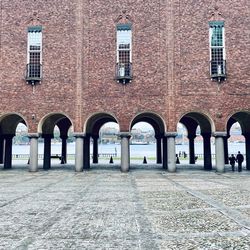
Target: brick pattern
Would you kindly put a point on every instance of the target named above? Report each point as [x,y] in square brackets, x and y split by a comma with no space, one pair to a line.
[170,60]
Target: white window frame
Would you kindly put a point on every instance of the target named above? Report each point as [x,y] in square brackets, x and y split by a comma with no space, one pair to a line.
[217,52]
[214,47]
[117,45]
[32,70]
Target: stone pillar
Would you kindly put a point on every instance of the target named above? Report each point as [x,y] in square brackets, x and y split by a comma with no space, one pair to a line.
[247,142]
[79,151]
[64,149]
[86,152]
[191,138]
[171,151]
[125,154]
[219,150]
[33,163]
[95,148]
[47,152]
[158,149]
[226,149]
[165,152]
[8,151]
[1,149]
[207,151]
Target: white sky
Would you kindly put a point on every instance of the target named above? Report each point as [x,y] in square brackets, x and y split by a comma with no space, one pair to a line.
[144,126]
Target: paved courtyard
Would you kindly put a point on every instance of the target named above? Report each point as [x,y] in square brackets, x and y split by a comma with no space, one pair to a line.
[103,208]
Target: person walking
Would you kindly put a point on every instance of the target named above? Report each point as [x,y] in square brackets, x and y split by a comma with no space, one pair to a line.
[239,159]
[232,161]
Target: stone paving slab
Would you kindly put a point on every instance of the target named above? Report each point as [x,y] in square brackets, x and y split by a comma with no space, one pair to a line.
[105,209]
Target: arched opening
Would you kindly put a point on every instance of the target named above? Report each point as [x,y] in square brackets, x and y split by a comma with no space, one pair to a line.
[8,130]
[142,144]
[108,144]
[146,143]
[52,125]
[101,141]
[181,142]
[238,137]
[199,129]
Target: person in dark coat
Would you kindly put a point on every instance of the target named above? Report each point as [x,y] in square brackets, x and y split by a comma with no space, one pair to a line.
[177,159]
[239,159]
[232,161]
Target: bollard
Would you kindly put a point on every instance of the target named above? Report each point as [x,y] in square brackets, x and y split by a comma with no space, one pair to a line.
[144,160]
[111,160]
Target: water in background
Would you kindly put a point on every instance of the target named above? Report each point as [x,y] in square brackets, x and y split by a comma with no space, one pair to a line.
[135,150]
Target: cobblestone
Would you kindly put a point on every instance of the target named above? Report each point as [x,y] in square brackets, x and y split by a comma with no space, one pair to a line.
[102,208]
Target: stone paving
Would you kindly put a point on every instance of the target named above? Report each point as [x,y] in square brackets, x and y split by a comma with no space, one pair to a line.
[147,208]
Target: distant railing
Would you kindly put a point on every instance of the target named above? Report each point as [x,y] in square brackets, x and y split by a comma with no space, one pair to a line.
[201,156]
[104,155]
[55,156]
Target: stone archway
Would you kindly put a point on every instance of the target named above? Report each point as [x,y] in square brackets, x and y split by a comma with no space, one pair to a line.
[8,125]
[92,128]
[159,128]
[191,121]
[46,131]
[243,118]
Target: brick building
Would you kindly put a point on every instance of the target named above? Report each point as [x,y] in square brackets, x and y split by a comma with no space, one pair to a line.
[84,63]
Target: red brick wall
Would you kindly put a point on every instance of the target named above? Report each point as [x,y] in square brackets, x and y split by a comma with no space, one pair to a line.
[170,60]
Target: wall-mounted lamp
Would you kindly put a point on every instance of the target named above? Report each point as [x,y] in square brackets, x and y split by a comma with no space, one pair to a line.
[33,116]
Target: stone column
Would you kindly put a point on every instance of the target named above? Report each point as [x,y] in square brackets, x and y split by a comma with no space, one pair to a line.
[171,151]
[191,138]
[8,151]
[86,152]
[47,152]
[79,151]
[158,149]
[226,149]
[1,149]
[219,150]
[33,163]
[207,151]
[165,152]
[95,148]
[247,142]
[125,154]
[64,149]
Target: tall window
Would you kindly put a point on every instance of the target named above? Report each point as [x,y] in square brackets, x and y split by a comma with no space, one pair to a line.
[34,57]
[124,51]
[217,49]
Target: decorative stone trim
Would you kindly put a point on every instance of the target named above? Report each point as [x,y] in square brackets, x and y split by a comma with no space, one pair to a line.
[124,134]
[171,134]
[79,135]
[33,135]
[220,134]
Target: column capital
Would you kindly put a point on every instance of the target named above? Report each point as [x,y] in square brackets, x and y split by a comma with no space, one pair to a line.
[170,134]
[8,136]
[33,135]
[95,137]
[246,135]
[47,136]
[206,135]
[191,136]
[220,134]
[124,134]
[159,136]
[79,135]
[64,137]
